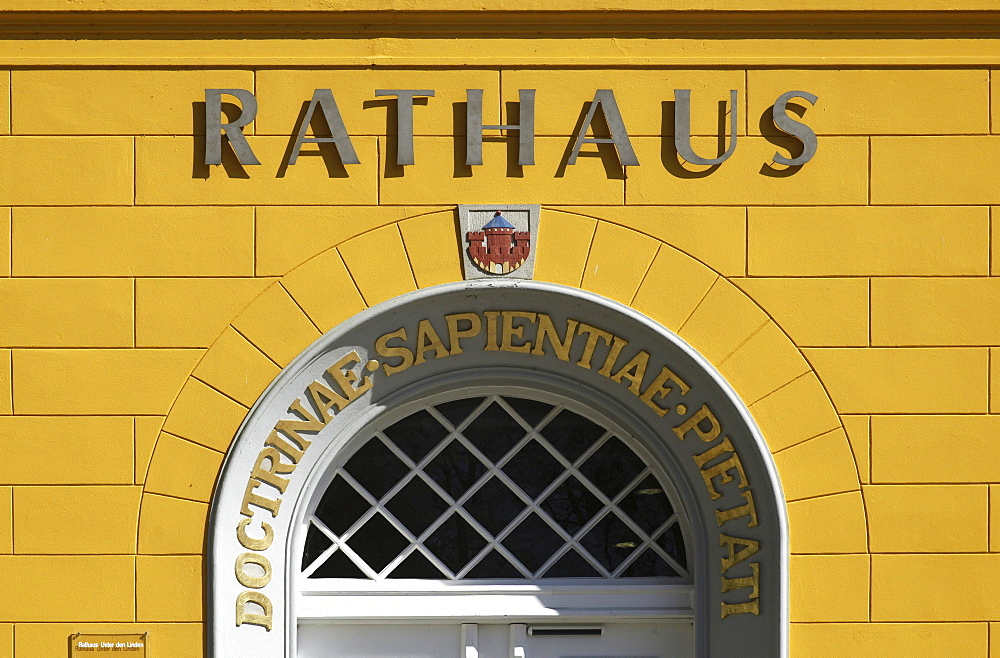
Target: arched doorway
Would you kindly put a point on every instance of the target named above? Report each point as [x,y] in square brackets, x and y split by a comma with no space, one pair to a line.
[496,347]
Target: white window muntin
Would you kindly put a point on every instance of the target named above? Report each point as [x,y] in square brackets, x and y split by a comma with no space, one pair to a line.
[535,598]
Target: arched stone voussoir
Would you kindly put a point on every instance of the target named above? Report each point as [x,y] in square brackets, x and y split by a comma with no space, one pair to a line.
[203,415]
[433,247]
[820,466]
[562,247]
[235,367]
[673,287]
[276,325]
[765,362]
[828,525]
[323,288]
[723,321]
[182,469]
[618,262]
[171,525]
[795,412]
[378,264]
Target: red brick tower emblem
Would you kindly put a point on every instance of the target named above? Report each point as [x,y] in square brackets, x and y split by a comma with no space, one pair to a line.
[505,247]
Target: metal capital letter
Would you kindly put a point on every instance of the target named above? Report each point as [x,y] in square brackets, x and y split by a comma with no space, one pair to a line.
[244,617]
[324,98]
[682,128]
[404,120]
[234,130]
[474,127]
[796,129]
[605,99]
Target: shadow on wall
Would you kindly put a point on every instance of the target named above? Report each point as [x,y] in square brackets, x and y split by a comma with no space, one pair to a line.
[327,150]
[230,163]
[672,161]
[781,140]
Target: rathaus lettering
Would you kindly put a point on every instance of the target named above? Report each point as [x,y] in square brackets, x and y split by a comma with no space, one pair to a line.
[604,102]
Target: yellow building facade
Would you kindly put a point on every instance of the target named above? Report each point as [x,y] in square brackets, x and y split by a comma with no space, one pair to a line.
[148,298]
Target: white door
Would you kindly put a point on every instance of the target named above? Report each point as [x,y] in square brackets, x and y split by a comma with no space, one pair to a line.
[660,639]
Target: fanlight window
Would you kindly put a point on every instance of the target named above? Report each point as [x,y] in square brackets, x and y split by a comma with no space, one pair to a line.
[495,487]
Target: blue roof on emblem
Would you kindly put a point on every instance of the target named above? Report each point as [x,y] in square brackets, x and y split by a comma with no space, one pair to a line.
[499,221]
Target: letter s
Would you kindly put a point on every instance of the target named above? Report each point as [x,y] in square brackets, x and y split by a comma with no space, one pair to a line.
[402,352]
[796,129]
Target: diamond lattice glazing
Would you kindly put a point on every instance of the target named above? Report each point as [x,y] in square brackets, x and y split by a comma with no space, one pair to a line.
[499,487]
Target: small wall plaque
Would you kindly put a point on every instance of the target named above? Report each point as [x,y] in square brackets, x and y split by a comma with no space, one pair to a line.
[133,645]
[498,241]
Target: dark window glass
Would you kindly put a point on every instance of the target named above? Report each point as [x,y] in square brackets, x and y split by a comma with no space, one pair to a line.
[455,469]
[532,411]
[647,505]
[340,506]
[494,505]
[612,467]
[458,410]
[416,565]
[338,565]
[601,543]
[571,505]
[572,434]
[316,543]
[494,432]
[376,468]
[377,542]
[416,506]
[571,565]
[494,565]
[417,434]
[610,541]
[648,565]
[455,542]
[533,469]
[672,541]
[533,542]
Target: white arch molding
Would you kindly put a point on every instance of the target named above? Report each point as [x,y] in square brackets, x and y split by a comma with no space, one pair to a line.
[529,334]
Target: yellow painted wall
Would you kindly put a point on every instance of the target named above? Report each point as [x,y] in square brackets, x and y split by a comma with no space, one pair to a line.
[146,300]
